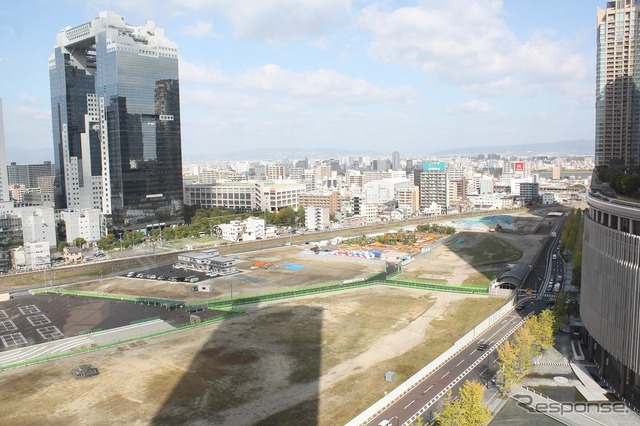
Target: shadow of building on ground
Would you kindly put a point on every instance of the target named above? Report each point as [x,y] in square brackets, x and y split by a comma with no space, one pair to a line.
[262,368]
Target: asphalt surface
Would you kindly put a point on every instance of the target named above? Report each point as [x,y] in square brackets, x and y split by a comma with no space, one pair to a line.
[427,391]
[34,317]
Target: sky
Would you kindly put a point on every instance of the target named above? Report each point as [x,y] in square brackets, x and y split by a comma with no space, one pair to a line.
[407,76]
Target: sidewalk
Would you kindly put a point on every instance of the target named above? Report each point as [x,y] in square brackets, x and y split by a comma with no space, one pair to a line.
[554,409]
[556,375]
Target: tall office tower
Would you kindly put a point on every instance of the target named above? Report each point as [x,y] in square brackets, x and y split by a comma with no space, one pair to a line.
[395,160]
[4,181]
[116,122]
[617,81]
[610,276]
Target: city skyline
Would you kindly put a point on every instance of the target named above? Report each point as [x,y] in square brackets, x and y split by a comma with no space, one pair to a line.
[377,76]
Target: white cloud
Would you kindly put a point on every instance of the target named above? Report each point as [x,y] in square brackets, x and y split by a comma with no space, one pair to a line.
[321,86]
[221,101]
[276,20]
[200,29]
[468,43]
[201,73]
[473,106]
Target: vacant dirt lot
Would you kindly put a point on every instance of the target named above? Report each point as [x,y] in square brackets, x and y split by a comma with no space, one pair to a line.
[250,281]
[298,356]
[314,360]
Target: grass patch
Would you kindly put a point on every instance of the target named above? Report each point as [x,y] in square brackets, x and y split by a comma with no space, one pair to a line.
[480,279]
[484,249]
[419,276]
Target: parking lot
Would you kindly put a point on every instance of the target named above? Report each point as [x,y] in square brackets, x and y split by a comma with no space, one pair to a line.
[166,273]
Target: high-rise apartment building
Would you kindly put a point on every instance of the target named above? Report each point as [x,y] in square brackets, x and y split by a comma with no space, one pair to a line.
[116,122]
[435,188]
[610,276]
[617,85]
[4,182]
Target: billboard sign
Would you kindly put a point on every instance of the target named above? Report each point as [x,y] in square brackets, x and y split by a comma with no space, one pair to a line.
[518,166]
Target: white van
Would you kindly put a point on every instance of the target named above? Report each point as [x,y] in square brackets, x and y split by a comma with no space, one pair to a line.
[385,423]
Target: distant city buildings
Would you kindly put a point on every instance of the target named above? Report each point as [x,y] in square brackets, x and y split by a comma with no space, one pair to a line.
[116,122]
[395,160]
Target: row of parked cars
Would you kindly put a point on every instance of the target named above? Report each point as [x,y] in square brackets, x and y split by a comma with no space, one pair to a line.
[190,279]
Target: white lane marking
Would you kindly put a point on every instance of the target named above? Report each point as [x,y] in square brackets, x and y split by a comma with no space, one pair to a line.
[459,363]
[427,390]
[444,375]
[407,406]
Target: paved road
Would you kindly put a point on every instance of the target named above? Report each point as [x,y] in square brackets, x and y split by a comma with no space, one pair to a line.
[469,363]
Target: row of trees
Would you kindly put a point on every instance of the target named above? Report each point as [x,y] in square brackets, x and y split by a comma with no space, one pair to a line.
[516,356]
[621,181]
[571,240]
[201,221]
[428,228]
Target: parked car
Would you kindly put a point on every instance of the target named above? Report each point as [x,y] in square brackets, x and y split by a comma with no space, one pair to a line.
[162,278]
[131,274]
[152,277]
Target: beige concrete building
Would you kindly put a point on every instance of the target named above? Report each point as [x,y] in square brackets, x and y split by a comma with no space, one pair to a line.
[319,199]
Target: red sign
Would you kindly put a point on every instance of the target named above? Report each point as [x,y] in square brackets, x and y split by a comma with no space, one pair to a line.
[519,166]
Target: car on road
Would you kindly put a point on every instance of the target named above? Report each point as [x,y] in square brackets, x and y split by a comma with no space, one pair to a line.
[520,307]
[483,346]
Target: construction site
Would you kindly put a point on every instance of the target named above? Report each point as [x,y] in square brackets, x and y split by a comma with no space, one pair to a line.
[317,359]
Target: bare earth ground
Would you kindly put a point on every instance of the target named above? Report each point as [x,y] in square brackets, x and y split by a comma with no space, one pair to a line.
[447,264]
[236,372]
[250,281]
[314,360]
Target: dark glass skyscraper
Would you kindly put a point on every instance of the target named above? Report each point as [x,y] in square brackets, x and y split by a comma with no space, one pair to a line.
[115,103]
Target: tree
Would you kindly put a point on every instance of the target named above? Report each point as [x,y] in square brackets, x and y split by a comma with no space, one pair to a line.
[62,245]
[468,409]
[79,242]
[541,327]
[510,374]
[527,349]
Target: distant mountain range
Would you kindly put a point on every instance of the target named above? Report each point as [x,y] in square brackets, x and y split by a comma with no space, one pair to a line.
[561,148]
